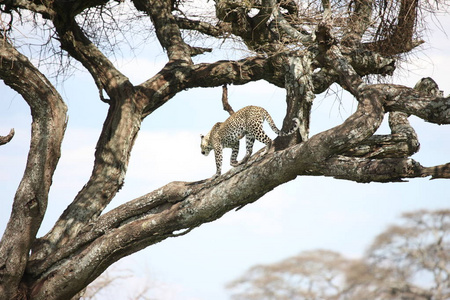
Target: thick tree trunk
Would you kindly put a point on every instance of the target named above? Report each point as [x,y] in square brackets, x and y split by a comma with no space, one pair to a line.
[299,98]
[30,202]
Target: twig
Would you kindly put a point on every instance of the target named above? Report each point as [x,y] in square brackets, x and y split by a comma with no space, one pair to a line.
[5,139]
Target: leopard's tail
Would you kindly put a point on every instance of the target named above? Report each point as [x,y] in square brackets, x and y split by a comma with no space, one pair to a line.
[279,132]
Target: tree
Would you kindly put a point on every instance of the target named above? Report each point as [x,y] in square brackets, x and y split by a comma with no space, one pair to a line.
[310,275]
[410,260]
[406,261]
[302,47]
[105,285]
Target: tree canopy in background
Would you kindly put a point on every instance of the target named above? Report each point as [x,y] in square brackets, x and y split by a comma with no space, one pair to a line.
[303,47]
[407,261]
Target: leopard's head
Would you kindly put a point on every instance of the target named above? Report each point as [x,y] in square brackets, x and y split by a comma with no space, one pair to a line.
[204,145]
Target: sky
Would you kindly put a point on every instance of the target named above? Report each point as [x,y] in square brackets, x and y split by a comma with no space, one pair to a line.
[305,214]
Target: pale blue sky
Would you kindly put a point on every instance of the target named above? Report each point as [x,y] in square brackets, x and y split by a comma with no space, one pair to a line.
[307,213]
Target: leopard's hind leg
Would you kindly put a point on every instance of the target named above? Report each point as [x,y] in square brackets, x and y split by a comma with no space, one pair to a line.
[263,138]
[249,141]
[234,155]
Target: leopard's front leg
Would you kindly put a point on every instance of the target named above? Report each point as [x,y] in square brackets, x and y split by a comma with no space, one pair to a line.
[218,157]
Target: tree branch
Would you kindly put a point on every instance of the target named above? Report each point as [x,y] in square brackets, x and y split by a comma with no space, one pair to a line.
[47,130]
[104,73]
[167,29]
[299,98]
[332,57]
[367,170]
[5,139]
[203,27]
[403,140]
[396,34]
[305,39]
[358,22]
[114,145]
[433,109]
[441,171]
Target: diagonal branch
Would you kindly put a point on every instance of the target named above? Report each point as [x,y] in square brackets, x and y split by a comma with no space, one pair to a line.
[305,39]
[111,162]
[106,76]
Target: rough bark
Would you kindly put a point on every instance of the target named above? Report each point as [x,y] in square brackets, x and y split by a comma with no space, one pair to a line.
[85,241]
[299,98]
[47,130]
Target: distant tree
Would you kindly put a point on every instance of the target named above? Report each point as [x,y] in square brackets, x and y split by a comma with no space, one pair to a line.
[108,286]
[301,46]
[407,261]
[310,275]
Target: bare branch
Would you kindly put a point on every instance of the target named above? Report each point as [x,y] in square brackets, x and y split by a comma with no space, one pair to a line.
[434,109]
[203,27]
[5,139]
[395,34]
[442,171]
[377,170]
[305,39]
[358,22]
[167,29]
[105,75]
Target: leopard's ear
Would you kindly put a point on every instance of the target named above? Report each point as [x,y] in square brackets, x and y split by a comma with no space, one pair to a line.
[202,136]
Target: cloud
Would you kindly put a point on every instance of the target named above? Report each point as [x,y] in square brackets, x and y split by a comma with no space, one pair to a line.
[164,155]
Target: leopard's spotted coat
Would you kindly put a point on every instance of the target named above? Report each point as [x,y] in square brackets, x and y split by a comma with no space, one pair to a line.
[247,122]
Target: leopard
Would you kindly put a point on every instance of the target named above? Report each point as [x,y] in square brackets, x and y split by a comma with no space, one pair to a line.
[247,122]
